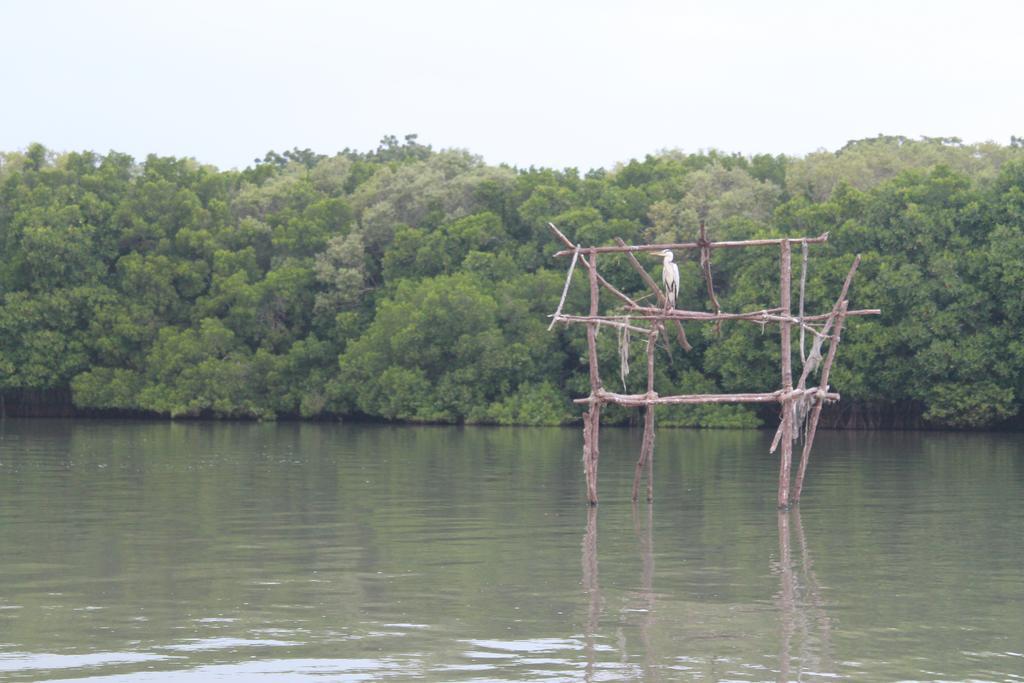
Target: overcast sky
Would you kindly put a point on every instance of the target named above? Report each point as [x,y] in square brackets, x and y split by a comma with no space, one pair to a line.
[524,82]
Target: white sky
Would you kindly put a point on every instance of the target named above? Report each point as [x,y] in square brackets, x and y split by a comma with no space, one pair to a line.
[526,82]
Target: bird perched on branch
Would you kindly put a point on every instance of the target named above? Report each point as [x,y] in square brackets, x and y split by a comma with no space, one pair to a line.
[669,277]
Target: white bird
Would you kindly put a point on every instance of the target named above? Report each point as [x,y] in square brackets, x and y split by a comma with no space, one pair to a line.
[669,277]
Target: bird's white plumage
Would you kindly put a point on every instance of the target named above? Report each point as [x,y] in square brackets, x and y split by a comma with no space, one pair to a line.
[669,277]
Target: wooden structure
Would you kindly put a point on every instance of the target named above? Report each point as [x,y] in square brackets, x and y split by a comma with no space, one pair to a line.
[800,405]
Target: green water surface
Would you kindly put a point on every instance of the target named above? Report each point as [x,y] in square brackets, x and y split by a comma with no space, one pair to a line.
[320,552]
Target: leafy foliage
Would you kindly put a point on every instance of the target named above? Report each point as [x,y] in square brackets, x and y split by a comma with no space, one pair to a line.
[413,284]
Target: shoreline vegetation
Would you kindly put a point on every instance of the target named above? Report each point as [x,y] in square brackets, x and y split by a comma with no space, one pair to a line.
[413,285]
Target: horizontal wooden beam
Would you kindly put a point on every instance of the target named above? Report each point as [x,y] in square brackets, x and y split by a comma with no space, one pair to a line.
[613,321]
[765,316]
[698,245]
[637,400]
[648,312]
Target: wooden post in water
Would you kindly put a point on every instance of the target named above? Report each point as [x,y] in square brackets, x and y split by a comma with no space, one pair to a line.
[647,445]
[785,461]
[651,320]
[592,419]
[812,426]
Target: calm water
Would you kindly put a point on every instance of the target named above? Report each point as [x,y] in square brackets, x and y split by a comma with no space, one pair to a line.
[299,552]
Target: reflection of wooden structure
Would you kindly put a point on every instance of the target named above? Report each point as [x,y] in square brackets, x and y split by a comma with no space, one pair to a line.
[798,403]
[801,606]
[588,561]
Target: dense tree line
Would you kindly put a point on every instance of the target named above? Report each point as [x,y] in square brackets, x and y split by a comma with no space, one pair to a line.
[413,284]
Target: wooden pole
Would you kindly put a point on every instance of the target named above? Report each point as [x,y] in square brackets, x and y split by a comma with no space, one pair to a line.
[768,315]
[592,433]
[595,451]
[697,245]
[832,316]
[565,290]
[638,400]
[650,457]
[705,266]
[834,313]
[610,321]
[803,288]
[785,284]
[812,426]
[647,444]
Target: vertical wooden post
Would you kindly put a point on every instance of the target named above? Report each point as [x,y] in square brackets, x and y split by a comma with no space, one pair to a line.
[649,417]
[647,445]
[785,461]
[592,419]
[812,426]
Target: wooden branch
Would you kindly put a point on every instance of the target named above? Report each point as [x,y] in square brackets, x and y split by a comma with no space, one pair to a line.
[768,315]
[565,290]
[858,312]
[705,266]
[604,283]
[803,286]
[610,321]
[592,446]
[645,276]
[591,449]
[649,417]
[840,303]
[595,378]
[648,421]
[812,427]
[785,285]
[696,245]
[636,400]
[650,361]
[679,314]
[647,444]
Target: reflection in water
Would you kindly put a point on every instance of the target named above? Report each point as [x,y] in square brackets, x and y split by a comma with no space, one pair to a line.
[645,595]
[639,600]
[787,596]
[592,588]
[311,552]
[800,605]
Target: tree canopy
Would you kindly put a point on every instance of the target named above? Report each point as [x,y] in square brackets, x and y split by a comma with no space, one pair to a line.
[407,283]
